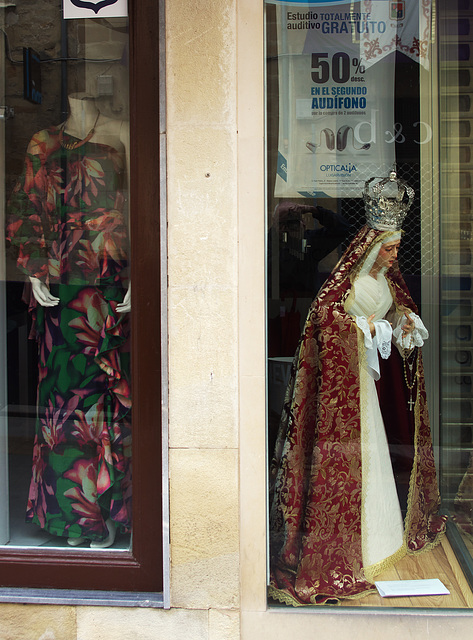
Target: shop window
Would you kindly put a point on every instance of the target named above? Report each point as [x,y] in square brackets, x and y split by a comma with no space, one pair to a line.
[368,138]
[81,357]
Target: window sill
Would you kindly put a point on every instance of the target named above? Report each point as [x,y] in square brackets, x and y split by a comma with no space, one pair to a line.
[82,598]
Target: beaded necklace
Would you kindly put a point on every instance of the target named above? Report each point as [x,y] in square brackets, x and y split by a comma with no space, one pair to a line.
[413,375]
[78,143]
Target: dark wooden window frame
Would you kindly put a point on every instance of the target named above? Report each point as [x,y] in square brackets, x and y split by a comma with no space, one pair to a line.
[141,569]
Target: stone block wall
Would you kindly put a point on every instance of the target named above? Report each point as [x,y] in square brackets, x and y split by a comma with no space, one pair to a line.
[203,252]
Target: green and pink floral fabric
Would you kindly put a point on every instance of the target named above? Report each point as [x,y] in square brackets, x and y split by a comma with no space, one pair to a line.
[67,227]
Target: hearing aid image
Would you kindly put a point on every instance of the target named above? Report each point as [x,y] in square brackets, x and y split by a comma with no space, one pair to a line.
[342,139]
[329,141]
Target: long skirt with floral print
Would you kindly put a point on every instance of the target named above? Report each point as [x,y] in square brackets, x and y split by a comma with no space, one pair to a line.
[82,451]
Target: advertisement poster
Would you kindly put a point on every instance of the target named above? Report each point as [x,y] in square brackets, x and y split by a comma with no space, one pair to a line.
[336,91]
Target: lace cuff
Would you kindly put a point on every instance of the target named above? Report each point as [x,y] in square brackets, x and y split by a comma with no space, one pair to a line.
[380,342]
[384,334]
[414,339]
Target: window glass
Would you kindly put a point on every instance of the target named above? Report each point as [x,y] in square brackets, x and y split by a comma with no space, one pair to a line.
[66,413]
[368,289]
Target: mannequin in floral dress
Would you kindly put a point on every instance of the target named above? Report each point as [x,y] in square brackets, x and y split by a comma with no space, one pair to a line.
[68,230]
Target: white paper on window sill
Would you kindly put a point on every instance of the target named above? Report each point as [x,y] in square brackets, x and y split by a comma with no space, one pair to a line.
[400,588]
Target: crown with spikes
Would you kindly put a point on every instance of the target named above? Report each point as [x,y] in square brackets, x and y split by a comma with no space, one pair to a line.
[387,201]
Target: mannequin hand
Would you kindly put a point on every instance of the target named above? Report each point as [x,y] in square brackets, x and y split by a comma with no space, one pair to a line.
[42,294]
[371,325]
[125,306]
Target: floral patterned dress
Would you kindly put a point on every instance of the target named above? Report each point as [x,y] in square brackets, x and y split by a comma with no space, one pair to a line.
[67,227]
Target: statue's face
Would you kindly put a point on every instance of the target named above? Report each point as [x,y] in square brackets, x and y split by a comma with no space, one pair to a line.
[388,254]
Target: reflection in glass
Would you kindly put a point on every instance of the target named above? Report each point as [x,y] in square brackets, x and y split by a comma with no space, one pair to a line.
[456,370]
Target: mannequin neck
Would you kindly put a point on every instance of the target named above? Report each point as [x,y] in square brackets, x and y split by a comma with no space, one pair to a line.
[83,115]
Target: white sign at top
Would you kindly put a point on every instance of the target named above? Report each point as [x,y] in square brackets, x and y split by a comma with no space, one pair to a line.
[95,8]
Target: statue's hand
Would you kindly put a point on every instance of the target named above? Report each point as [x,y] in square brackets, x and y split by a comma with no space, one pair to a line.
[42,294]
[409,325]
[371,325]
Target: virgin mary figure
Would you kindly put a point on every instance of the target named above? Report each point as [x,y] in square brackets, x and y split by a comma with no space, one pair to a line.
[354,485]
